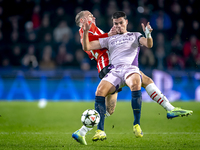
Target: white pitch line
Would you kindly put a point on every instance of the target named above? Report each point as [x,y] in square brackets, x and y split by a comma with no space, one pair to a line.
[90,133]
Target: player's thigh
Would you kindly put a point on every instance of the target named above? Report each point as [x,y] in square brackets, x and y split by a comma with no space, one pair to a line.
[145,80]
[133,81]
[111,101]
[104,88]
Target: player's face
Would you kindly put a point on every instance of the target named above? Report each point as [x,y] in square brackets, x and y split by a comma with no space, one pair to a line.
[120,24]
[90,17]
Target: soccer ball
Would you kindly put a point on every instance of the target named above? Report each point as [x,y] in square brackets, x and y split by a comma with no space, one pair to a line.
[90,118]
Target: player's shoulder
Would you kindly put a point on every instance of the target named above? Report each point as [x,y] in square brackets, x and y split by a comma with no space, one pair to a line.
[133,33]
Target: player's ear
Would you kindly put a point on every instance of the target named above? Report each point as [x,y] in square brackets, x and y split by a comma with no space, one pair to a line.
[81,20]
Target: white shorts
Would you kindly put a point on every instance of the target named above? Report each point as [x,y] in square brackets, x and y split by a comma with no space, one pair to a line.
[118,74]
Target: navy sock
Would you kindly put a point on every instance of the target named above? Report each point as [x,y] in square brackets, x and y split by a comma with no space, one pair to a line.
[100,107]
[136,103]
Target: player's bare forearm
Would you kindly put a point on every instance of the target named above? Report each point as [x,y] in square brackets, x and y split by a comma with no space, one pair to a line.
[93,45]
[149,42]
[87,46]
[86,43]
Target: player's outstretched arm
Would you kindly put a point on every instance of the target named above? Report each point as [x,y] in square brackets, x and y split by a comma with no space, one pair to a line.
[148,41]
[86,44]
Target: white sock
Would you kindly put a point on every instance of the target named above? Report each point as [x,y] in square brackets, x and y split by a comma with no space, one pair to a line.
[107,114]
[157,96]
[83,130]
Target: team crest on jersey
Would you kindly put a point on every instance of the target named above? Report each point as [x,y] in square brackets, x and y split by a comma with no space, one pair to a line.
[129,34]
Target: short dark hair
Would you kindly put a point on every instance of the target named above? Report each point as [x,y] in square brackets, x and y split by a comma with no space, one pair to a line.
[119,14]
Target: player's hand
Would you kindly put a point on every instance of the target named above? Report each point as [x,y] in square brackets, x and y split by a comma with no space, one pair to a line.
[86,25]
[113,31]
[147,26]
[147,30]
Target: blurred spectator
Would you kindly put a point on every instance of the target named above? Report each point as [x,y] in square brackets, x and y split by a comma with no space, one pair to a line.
[61,30]
[126,7]
[100,21]
[195,29]
[180,29]
[188,16]
[47,63]
[191,52]
[160,21]
[160,57]
[177,45]
[31,38]
[30,34]
[36,17]
[14,38]
[175,12]
[76,42]
[16,56]
[85,65]
[111,8]
[45,27]
[160,40]
[29,61]
[59,16]
[190,46]
[175,62]
[5,63]
[47,40]
[63,57]
[81,61]
[79,55]
[147,60]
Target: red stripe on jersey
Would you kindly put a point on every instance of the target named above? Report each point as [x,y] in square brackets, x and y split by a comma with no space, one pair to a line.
[101,56]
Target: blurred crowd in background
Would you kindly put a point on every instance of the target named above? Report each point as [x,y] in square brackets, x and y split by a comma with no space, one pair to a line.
[42,34]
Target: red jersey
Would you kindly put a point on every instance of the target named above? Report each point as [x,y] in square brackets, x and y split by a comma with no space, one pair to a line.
[100,55]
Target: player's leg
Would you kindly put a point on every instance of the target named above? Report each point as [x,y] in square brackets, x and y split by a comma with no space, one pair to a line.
[133,81]
[103,89]
[111,101]
[158,97]
[155,93]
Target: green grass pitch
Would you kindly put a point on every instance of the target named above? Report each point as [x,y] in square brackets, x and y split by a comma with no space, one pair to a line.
[25,126]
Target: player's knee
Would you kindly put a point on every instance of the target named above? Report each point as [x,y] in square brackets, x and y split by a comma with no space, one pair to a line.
[101,92]
[135,86]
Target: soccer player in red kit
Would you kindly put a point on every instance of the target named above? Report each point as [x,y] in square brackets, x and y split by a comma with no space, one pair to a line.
[103,65]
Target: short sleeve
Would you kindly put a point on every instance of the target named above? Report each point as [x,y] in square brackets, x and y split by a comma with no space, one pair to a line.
[138,36]
[103,42]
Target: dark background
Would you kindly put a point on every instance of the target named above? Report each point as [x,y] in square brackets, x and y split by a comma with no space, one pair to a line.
[42,34]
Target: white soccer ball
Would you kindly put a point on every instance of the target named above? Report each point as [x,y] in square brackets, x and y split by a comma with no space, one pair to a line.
[90,118]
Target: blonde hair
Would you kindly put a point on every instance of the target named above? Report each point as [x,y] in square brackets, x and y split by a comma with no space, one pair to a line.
[79,16]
